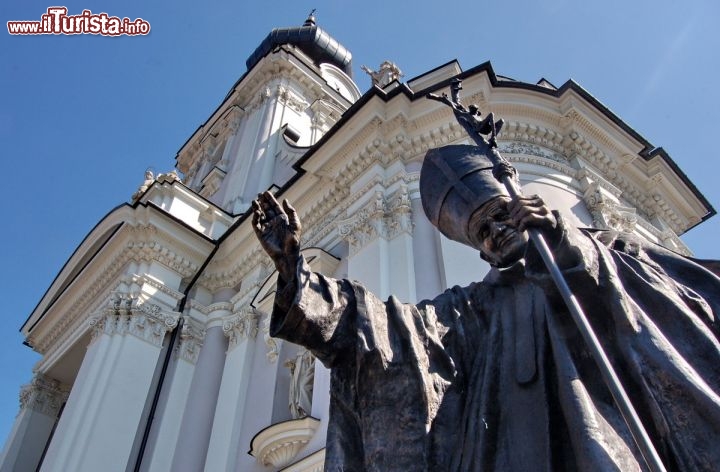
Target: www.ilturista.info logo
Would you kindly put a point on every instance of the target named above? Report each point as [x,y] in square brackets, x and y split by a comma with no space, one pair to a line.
[57,21]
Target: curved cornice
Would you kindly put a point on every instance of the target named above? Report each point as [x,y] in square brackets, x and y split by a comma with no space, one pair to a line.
[144,240]
[568,94]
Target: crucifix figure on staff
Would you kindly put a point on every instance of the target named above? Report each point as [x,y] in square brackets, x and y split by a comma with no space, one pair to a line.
[499,375]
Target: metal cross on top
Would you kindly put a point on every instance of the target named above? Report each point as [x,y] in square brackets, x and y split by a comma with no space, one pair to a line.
[470,117]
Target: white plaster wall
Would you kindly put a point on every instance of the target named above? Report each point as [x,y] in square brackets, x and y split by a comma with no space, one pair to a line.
[231,411]
[194,437]
[168,418]
[105,406]
[258,405]
[26,441]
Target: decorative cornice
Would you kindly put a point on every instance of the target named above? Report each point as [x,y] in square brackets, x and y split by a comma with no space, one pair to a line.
[91,297]
[291,99]
[43,395]
[524,136]
[216,280]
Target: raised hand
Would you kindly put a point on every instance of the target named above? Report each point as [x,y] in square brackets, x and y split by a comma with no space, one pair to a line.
[278,229]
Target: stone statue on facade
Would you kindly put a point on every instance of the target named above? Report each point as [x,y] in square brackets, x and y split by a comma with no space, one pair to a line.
[302,376]
[387,73]
[149,179]
[496,376]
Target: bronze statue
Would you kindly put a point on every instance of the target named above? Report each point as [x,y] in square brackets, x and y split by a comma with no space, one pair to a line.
[496,375]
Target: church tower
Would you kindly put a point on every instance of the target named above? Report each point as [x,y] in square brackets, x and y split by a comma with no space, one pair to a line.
[134,348]
[297,85]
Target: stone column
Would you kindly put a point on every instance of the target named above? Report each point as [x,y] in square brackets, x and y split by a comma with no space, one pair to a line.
[366,232]
[428,271]
[398,218]
[105,408]
[176,391]
[194,437]
[241,329]
[40,404]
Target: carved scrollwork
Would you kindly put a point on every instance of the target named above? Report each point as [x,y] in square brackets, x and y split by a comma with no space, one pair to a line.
[239,326]
[192,336]
[379,218]
[606,211]
[44,395]
[128,315]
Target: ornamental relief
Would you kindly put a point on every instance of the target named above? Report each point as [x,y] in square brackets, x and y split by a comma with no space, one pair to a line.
[292,100]
[607,213]
[272,344]
[378,218]
[240,326]
[192,335]
[128,315]
[44,395]
[517,147]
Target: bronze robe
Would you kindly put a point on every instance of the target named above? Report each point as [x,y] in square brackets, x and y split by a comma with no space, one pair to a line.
[495,376]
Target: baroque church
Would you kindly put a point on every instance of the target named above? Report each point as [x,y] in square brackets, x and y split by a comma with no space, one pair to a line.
[154,334]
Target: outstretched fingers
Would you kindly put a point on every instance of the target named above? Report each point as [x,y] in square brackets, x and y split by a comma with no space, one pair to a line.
[270,205]
[258,218]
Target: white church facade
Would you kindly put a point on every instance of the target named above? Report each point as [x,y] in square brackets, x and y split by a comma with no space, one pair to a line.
[154,335]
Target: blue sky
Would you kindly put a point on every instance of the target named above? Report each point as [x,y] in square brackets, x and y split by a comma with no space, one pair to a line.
[82,117]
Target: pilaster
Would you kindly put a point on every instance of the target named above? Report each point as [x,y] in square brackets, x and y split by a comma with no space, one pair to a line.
[41,402]
[105,407]
[241,329]
[195,430]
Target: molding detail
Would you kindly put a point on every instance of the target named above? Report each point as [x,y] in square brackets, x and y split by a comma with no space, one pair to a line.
[126,315]
[315,462]
[192,336]
[278,444]
[291,99]
[606,211]
[378,218]
[87,302]
[43,395]
[239,326]
[366,225]
[529,149]
[399,213]
[273,344]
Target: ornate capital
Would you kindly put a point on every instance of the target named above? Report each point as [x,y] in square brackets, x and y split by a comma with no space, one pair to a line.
[399,213]
[606,211]
[366,225]
[44,395]
[192,336]
[379,218]
[239,326]
[128,315]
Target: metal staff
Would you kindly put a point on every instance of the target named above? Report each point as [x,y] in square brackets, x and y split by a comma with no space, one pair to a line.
[469,118]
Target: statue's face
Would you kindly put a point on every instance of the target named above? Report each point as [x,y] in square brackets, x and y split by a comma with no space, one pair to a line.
[493,233]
